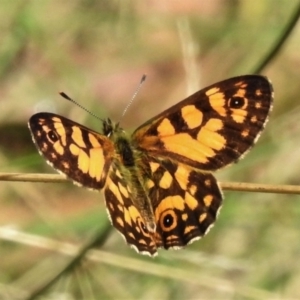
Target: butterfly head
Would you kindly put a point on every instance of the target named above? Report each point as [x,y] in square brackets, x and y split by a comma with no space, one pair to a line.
[109,128]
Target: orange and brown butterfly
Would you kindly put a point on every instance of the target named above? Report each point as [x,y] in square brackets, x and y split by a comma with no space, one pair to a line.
[157,182]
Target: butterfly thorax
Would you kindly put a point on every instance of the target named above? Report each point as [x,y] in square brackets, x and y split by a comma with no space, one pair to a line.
[121,142]
[128,162]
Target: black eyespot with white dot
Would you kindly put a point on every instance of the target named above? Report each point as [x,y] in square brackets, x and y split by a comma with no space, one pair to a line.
[52,135]
[236,102]
[168,220]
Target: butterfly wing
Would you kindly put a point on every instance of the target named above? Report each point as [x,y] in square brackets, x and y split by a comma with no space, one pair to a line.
[124,215]
[72,149]
[213,127]
[185,202]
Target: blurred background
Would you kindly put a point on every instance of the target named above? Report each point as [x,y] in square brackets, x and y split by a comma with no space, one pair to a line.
[96,52]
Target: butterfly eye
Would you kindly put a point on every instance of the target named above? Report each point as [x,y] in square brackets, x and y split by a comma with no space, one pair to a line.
[52,135]
[236,102]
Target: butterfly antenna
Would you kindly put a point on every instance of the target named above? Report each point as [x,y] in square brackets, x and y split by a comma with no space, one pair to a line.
[134,95]
[82,107]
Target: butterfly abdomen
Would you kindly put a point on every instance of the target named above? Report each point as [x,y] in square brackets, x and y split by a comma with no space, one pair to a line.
[127,162]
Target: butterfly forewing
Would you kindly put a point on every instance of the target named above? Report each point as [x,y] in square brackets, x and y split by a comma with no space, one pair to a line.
[72,149]
[213,127]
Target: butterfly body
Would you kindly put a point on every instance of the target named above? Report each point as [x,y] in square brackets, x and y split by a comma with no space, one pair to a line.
[158,188]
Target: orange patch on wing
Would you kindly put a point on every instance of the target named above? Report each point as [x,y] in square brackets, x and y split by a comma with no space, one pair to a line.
[189,229]
[202,217]
[193,189]
[60,129]
[212,91]
[74,149]
[217,102]
[83,161]
[258,92]
[127,216]
[211,139]
[154,166]
[192,116]
[98,160]
[115,190]
[66,165]
[184,217]
[77,137]
[245,133]
[207,182]
[150,184]
[166,180]
[168,203]
[241,84]
[118,174]
[165,128]
[142,242]
[257,105]
[183,144]
[58,148]
[134,213]
[238,115]
[182,175]
[214,124]
[240,93]
[123,190]
[95,143]
[208,200]
[53,155]
[120,221]
[191,202]
[44,146]
[253,119]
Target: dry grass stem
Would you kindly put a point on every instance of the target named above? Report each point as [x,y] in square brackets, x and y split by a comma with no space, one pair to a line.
[229,186]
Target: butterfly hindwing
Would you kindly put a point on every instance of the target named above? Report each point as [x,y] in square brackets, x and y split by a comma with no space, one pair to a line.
[124,215]
[72,149]
[185,202]
[213,127]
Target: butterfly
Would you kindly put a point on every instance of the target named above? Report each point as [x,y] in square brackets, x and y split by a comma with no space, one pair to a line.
[158,186]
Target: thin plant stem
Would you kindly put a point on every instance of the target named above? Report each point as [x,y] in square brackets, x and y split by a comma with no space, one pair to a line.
[274,50]
[229,186]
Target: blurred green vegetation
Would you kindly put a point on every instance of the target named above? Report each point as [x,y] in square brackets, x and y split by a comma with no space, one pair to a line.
[97,51]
